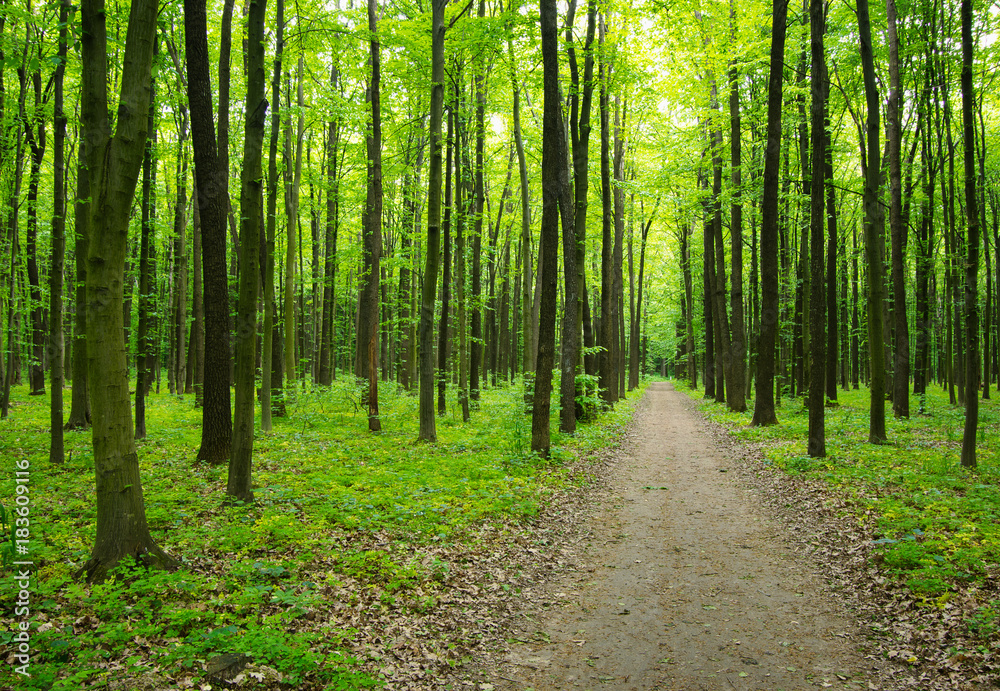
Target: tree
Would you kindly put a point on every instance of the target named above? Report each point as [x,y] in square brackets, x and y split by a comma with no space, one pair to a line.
[428,430]
[738,345]
[894,134]
[817,306]
[239,486]
[272,400]
[764,413]
[876,428]
[213,200]
[56,453]
[371,223]
[113,163]
[553,174]
[972,247]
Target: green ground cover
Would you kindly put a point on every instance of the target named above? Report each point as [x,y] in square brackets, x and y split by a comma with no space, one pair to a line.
[256,580]
[934,524]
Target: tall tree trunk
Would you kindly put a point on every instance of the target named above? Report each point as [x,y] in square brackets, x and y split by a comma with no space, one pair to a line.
[429,288]
[461,301]
[179,308]
[876,429]
[607,377]
[371,223]
[35,132]
[634,338]
[581,100]
[443,341]
[527,324]
[56,451]
[723,388]
[832,316]
[764,413]
[239,486]
[272,400]
[736,378]
[196,336]
[147,255]
[114,163]
[79,411]
[291,234]
[326,369]
[617,286]
[685,244]
[972,247]
[476,335]
[553,173]
[894,132]
[212,199]
[816,446]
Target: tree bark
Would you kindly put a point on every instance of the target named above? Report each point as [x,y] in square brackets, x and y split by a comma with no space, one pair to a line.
[272,399]
[553,172]
[79,411]
[212,197]
[56,450]
[738,345]
[764,412]
[816,446]
[113,163]
[326,369]
[972,247]
[894,132]
[371,223]
[429,289]
[876,429]
[239,487]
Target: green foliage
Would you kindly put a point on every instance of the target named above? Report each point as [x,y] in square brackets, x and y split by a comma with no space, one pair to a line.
[7,544]
[933,523]
[341,517]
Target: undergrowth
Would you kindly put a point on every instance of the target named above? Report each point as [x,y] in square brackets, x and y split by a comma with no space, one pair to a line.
[259,580]
[933,524]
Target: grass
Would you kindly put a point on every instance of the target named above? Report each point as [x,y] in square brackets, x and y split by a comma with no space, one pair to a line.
[934,523]
[338,511]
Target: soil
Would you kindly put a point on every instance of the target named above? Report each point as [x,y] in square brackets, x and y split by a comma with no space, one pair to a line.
[680,580]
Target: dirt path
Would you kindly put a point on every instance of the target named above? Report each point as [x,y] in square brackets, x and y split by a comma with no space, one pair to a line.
[684,584]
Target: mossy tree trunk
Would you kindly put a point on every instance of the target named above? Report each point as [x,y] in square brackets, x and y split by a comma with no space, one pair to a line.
[114,164]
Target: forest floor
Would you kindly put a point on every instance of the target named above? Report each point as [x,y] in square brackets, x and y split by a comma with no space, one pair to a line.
[654,549]
[687,577]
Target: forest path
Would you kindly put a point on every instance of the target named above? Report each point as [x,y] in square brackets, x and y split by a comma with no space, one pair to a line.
[684,583]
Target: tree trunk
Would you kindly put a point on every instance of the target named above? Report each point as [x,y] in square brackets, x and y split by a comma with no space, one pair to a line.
[147,250]
[114,163]
[738,346]
[876,429]
[36,142]
[239,487]
[764,413]
[429,288]
[894,132]
[56,451]
[476,345]
[291,235]
[212,198]
[816,445]
[442,373]
[326,370]
[79,411]
[553,173]
[272,400]
[972,247]
[371,223]
[607,377]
